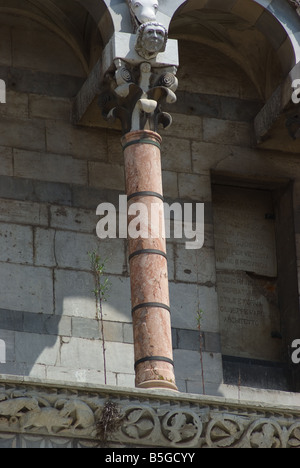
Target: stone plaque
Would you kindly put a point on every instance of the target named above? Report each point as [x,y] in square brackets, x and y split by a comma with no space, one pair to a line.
[249,316]
[244,230]
[247,273]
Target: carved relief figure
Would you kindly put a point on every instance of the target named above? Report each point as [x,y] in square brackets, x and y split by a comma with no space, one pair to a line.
[16,406]
[82,416]
[151,39]
[49,418]
[143,11]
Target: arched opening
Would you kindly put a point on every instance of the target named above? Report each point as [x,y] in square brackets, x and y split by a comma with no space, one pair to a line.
[247,34]
[234,55]
[49,36]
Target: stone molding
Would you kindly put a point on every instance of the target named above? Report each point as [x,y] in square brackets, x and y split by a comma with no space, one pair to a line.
[54,414]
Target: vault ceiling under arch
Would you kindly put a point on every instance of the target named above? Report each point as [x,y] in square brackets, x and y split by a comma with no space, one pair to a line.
[66,18]
[252,38]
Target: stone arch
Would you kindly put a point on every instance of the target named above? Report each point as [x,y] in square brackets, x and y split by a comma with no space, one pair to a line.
[101,12]
[66,21]
[280,23]
[260,37]
[276,19]
[288,19]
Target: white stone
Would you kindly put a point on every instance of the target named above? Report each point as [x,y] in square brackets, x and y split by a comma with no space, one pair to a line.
[32,348]
[72,251]
[74,294]
[44,166]
[21,212]
[118,305]
[2,352]
[44,252]
[188,366]
[122,46]
[186,302]
[80,353]
[119,357]
[16,243]
[73,219]
[26,288]
[195,266]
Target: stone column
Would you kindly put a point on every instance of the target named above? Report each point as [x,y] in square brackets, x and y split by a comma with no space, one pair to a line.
[148,263]
[138,78]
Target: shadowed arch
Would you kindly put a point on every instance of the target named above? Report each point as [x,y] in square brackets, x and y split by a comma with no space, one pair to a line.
[102,13]
[261,40]
[277,20]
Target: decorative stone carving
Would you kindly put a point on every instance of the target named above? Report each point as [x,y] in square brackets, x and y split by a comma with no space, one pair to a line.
[46,416]
[265,434]
[142,11]
[35,413]
[182,427]
[293,436]
[151,39]
[137,94]
[140,423]
[140,72]
[81,415]
[223,431]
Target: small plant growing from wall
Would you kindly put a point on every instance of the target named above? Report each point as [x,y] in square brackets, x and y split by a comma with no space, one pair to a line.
[199,318]
[109,422]
[101,293]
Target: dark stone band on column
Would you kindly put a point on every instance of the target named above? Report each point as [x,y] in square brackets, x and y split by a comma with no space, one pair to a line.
[147,252]
[153,358]
[146,305]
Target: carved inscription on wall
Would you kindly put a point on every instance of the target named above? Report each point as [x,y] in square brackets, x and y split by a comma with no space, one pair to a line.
[249,318]
[247,273]
[244,231]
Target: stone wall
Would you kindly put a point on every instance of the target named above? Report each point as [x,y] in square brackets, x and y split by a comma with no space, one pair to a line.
[53,175]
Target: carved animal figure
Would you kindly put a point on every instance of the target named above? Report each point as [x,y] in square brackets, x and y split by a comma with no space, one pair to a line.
[80,412]
[143,10]
[50,418]
[15,406]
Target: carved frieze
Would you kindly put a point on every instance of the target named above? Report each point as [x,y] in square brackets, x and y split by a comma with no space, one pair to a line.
[35,415]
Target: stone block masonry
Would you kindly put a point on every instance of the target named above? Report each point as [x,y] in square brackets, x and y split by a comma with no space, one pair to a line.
[51,182]
[47,305]
[53,176]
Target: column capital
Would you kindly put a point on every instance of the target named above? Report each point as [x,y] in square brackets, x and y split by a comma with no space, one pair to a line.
[139,72]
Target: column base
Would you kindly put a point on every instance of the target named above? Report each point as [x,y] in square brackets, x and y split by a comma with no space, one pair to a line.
[158,384]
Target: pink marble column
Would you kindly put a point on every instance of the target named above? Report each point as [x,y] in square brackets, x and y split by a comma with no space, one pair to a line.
[148,262]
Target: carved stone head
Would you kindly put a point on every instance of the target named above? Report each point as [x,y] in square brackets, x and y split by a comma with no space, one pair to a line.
[143,10]
[152,39]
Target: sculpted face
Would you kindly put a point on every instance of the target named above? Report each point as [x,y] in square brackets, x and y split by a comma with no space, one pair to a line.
[144,10]
[153,39]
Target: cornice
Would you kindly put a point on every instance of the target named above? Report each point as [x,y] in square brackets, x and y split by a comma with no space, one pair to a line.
[141,418]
